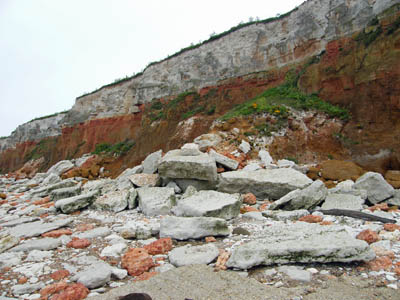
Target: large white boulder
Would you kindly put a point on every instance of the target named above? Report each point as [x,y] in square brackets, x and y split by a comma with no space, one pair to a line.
[176,165]
[272,184]
[300,243]
[182,228]
[156,200]
[376,186]
[209,204]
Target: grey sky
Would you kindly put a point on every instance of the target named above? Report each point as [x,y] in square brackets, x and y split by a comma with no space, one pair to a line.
[52,51]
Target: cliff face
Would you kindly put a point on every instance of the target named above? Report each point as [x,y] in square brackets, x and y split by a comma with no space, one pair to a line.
[258,47]
[233,68]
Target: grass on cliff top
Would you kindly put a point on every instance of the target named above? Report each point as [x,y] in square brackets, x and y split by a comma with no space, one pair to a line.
[277,100]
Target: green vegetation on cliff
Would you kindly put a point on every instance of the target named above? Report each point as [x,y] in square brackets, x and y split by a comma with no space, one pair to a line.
[116,149]
[278,100]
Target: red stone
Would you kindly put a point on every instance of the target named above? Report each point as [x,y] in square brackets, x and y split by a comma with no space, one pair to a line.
[246,209]
[326,223]
[57,233]
[161,246]
[78,243]
[60,274]
[381,206]
[210,239]
[22,280]
[145,276]
[51,289]
[42,201]
[84,227]
[391,227]
[47,205]
[76,291]
[380,263]
[220,170]
[137,261]
[368,235]
[397,271]
[311,219]
[249,198]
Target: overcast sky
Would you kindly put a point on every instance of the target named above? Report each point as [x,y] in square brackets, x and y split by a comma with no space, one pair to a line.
[52,51]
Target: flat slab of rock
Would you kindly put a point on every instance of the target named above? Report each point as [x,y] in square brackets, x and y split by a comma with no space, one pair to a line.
[272,184]
[300,243]
[182,228]
[376,186]
[343,201]
[94,276]
[176,165]
[44,191]
[65,193]
[193,255]
[40,244]
[37,228]
[284,215]
[94,233]
[223,160]
[18,221]
[209,204]
[306,198]
[75,203]
[155,201]
[61,167]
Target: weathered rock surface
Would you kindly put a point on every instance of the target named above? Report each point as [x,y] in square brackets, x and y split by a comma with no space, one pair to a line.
[156,200]
[227,162]
[300,243]
[182,228]
[94,276]
[7,241]
[272,184]
[94,233]
[65,193]
[209,204]
[280,215]
[343,201]
[176,165]
[145,180]
[38,227]
[190,255]
[75,203]
[307,198]
[41,244]
[340,170]
[46,189]
[115,201]
[61,167]
[150,164]
[376,186]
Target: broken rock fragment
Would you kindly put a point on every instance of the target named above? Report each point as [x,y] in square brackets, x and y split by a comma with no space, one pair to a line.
[209,204]
[182,228]
[300,243]
[176,165]
[272,184]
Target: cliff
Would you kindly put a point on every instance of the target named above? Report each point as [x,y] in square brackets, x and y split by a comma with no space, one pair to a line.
[355,47]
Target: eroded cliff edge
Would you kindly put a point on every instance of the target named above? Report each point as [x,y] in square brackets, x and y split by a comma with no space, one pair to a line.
[234,67]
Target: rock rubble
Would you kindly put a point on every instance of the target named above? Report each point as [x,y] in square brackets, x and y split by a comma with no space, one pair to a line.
[69,236]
